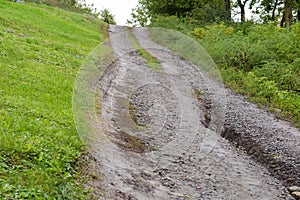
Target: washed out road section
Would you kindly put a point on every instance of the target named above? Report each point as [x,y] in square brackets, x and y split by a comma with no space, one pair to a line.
[161,135]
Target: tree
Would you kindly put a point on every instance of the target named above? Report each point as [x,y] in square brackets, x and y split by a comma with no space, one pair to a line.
[289,10]
[107,17]
[228,9]
[210,11]
[268,10]
[287,17]
[199,10]
[242,6]
[275,5]
[140,15]
[298,9]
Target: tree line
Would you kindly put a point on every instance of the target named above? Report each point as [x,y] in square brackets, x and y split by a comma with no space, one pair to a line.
[283,12]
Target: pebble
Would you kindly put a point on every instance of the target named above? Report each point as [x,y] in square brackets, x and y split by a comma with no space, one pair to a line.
[296,194]
[294,189]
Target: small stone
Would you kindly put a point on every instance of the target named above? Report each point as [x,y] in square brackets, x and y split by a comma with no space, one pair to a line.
[296,194]
[294,189]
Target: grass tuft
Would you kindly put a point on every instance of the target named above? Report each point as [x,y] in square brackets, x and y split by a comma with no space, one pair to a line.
[151,61]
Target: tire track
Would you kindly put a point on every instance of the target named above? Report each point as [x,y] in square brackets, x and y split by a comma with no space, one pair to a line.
[182,158]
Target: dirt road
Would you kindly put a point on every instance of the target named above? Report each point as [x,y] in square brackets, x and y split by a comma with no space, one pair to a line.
[163,133]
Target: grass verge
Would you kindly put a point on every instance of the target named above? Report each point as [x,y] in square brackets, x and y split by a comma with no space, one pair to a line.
[41,50]
[260,61]
[151,61]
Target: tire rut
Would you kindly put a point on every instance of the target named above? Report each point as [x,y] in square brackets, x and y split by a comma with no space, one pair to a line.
[163,132]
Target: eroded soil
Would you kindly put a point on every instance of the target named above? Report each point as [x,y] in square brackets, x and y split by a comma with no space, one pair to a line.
[164,133]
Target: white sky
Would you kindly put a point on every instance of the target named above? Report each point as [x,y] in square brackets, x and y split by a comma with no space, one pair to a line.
[121,9]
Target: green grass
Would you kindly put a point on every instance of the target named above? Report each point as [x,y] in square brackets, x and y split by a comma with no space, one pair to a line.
[41,50]
[259,61]
[151,61]
[198,94]
[86,94]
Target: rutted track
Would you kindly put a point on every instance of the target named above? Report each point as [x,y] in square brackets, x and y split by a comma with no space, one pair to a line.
[162,138]
[272,142]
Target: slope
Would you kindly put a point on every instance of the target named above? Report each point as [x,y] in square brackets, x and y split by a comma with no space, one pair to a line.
[41,50]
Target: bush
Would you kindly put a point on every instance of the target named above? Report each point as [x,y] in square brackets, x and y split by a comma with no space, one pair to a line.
[107,17]
[172,22]
[213,31]
[261,61]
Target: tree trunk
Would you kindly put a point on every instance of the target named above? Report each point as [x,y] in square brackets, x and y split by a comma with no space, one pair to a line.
[298,10]
[228,9]
[274,10]
[243,14]
[242,7]
[287,17]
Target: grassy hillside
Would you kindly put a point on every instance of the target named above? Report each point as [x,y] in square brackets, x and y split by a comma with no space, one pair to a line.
[41,50]
[259,61]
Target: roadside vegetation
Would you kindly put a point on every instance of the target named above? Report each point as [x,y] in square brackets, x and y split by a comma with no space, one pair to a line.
[259,59]
[41,51]
[151,61]
[107,16]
